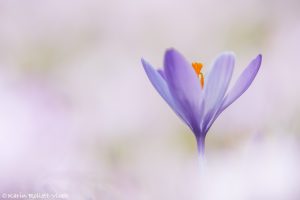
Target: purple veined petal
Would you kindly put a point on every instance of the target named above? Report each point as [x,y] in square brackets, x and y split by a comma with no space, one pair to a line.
[161,86]
[184,86]
[216,85]
[241,85]
[243,82]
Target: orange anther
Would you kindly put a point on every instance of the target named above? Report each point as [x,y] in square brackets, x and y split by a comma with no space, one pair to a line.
[198,67]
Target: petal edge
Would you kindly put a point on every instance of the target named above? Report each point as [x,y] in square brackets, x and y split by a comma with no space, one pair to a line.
[243,82]
[159,83]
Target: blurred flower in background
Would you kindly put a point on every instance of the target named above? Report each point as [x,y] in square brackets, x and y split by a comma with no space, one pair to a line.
[77,115]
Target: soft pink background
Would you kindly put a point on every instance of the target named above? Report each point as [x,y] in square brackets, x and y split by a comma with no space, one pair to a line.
[79,116]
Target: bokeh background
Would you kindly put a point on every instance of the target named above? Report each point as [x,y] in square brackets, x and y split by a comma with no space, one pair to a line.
[78,115]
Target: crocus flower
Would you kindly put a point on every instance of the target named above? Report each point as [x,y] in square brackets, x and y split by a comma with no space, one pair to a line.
[196,99]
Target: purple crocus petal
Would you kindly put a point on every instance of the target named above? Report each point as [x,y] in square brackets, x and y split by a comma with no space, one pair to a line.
[216,85]
[243,82]
[162,73]
[184,86]
[241,85]
[159,83]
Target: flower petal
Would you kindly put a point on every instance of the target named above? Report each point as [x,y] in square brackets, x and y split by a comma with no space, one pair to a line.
[243,83]
[159,83]
[162,73]
[184,86]
[217,83]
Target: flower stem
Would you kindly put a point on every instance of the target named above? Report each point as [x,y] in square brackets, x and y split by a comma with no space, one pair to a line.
[201,149]
[201,145]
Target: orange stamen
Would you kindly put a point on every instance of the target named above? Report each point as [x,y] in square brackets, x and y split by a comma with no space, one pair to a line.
[201,79]
[198,67]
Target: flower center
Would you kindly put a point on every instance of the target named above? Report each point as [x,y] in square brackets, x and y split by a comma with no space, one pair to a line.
[198,67]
